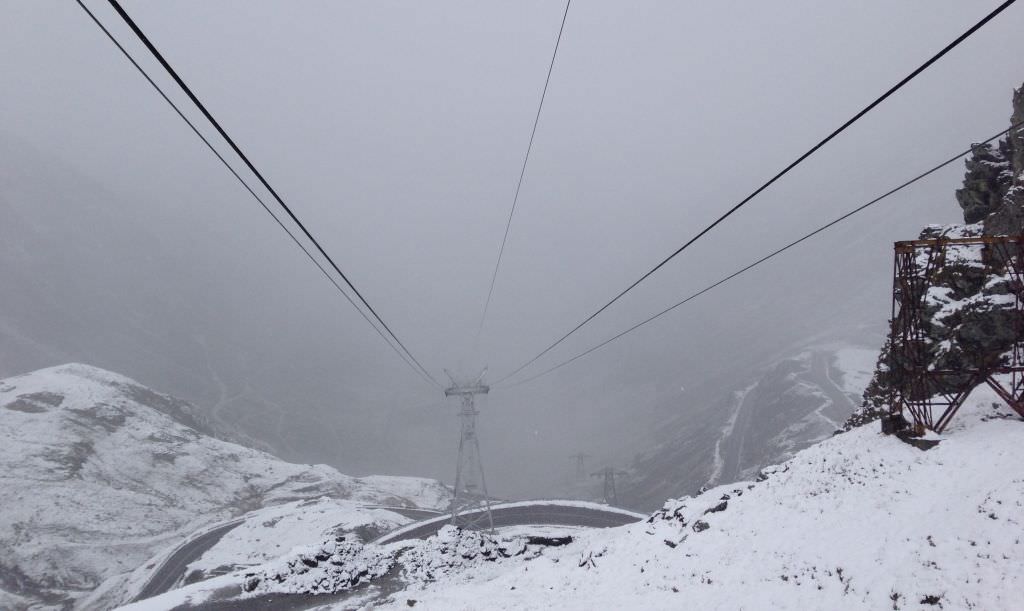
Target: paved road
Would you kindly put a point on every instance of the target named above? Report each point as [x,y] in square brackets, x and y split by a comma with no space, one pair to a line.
[173,568]
[165,576]
[537,514]
[415,514]
[365,595]
[508,515]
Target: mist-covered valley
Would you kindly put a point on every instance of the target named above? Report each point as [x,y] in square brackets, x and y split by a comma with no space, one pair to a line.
[203,405]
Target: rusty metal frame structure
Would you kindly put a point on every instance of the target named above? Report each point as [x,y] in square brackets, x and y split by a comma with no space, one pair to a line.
[924,389]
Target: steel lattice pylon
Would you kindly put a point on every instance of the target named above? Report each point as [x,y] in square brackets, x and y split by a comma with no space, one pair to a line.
[608,474]
[580,459]
[471,505]
[922,388]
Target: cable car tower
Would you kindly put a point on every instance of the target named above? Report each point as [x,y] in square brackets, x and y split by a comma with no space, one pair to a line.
[471,505]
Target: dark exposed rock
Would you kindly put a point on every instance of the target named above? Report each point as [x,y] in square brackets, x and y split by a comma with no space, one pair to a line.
[921,444]
[14,580]
[72,458]
[986,181]
[188,414]
[894,423]
[719,507]
[931,599]
[1008,218]
[100,415]
[36,402]
[549,541]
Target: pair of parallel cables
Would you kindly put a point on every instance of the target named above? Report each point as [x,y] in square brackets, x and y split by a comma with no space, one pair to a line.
[387,334]
[949,47]
[383,329]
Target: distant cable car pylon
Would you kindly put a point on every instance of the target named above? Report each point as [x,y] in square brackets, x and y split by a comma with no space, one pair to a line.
[471,504]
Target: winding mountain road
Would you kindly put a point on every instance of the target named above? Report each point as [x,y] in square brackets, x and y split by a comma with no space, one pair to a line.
[540,513]
[173,568]
[533,513]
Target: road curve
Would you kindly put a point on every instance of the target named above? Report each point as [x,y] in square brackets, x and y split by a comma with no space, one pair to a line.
[516,514]
[414,513]
[564,513]
[165,576]
[590,515]
[173,568]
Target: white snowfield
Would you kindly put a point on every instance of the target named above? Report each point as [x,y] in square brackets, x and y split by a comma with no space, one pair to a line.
[100,474]
[858,521]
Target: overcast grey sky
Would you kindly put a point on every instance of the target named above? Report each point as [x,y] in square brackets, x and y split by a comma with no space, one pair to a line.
[396,130]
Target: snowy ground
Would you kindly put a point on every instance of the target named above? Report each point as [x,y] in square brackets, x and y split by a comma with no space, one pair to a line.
[858,521]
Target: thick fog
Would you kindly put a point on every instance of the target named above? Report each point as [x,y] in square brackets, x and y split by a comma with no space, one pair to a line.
[396,131]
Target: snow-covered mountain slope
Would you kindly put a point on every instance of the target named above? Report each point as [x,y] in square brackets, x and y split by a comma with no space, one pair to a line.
[858,521]
[798,401]
[100,473]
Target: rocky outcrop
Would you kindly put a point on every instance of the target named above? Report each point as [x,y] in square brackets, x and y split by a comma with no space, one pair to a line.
[1008,217]
[987,179]
[971,321]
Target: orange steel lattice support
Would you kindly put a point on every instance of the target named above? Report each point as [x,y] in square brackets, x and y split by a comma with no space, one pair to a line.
[922,390]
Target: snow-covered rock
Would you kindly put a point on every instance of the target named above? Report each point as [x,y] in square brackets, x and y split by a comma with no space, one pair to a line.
[338,564]
[100,473]
[454,553]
